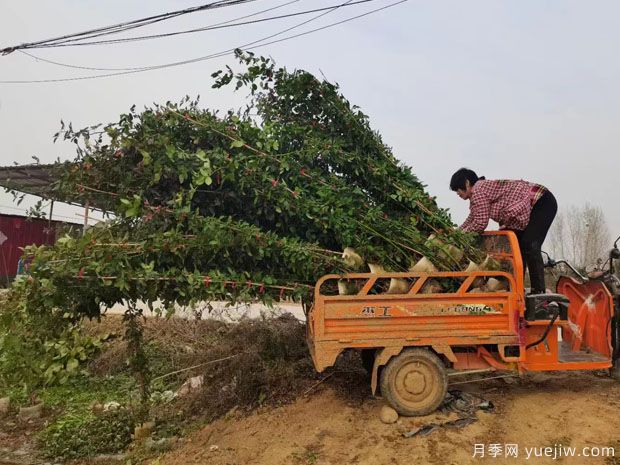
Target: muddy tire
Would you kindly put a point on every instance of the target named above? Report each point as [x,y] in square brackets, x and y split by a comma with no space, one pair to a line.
[414,382]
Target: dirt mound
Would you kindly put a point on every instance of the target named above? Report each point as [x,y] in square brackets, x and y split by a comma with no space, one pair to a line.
[572,409]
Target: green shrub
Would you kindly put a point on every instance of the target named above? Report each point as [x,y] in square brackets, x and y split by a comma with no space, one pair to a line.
[41,349]
[74,436]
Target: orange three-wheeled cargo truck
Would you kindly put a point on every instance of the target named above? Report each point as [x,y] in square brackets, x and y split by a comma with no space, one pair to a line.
[445,322]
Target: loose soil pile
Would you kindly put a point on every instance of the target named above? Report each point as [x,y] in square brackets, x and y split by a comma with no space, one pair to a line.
[571,409]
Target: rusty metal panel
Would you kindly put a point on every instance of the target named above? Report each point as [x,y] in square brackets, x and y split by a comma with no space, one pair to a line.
[18,232]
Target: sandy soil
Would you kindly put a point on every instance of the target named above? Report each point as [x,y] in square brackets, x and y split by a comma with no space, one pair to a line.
[329,427]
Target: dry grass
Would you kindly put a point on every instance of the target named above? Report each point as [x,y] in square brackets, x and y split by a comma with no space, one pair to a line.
[267,361]
[271,364]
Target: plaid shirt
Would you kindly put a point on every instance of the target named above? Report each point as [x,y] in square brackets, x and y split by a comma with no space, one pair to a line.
[505,201]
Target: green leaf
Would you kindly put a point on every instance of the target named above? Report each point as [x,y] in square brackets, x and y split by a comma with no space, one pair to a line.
[146,158]
[72,364]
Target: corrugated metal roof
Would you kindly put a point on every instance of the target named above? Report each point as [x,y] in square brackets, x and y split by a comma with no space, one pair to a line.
[62,213]
[30,179]
[38,180]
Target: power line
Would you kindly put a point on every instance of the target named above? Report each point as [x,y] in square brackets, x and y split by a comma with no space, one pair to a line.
[212,27]
[131,39]
[212,56]
[206,57]
[226,52]
[220,4]
[156,36]
[218,26]
[68,65]
[121,27]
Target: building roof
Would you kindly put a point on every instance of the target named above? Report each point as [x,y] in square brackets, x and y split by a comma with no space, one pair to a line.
[17,216]
[30,179]
[38,180]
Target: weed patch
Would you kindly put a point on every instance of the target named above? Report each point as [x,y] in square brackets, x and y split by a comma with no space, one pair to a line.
[84,435]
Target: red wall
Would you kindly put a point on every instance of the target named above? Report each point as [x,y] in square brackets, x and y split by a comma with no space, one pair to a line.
[20,232]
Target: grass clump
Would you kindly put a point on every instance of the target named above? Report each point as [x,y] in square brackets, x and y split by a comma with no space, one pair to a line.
[79,393]
[85,435]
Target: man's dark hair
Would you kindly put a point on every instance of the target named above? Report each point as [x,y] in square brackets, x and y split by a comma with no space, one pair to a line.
[464,174]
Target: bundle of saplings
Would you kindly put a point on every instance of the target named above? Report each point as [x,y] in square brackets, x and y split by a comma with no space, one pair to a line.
[255,204]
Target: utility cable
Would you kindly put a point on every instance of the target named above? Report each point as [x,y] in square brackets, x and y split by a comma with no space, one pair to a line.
[218,26]
[121,27]
[75,41]
[207,57]
[155,36]
[211,56]
[223,25]
[227,51]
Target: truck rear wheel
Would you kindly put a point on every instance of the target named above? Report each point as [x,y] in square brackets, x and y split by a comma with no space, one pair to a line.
[414,382]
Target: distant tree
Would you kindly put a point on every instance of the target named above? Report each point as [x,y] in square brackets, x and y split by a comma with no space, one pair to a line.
[580,235]
[557,237]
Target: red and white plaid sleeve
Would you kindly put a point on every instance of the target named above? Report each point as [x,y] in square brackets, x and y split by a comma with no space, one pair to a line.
[479,212]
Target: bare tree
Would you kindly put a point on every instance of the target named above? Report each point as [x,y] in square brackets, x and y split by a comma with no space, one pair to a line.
[597,237]
[557,237]
[580,235]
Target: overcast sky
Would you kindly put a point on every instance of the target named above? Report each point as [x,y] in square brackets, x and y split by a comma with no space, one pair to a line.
[511,89]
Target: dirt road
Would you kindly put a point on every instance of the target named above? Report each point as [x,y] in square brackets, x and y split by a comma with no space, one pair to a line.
[578,410]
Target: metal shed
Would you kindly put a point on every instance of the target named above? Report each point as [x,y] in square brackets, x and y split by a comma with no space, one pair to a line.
[17,232]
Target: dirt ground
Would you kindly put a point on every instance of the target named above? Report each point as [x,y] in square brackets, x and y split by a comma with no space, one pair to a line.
[17,442]
[579,410]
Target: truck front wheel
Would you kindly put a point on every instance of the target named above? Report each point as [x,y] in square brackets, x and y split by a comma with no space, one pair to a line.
[414,382]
